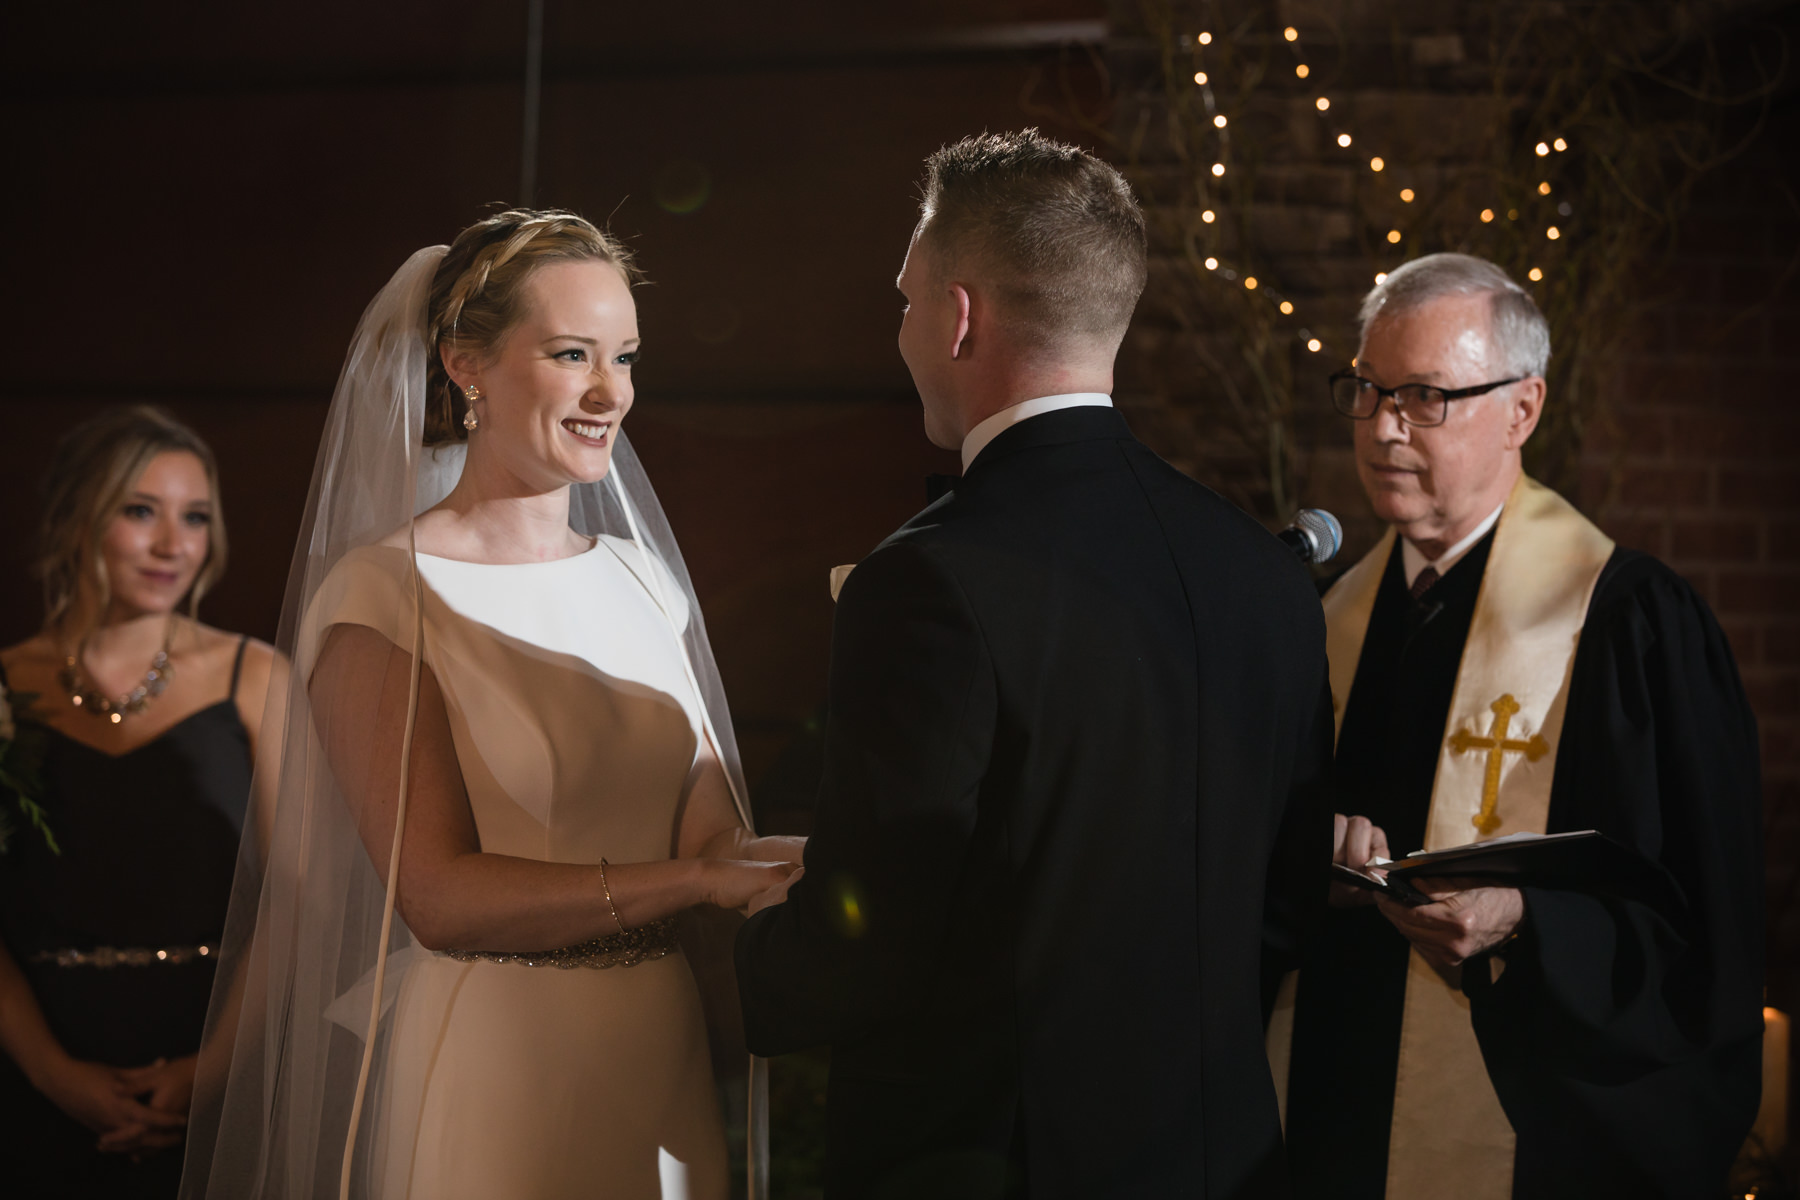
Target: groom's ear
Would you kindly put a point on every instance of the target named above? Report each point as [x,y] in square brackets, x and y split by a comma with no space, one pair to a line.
[959,297]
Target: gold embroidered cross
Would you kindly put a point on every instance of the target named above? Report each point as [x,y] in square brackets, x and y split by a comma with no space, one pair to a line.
[1496,744]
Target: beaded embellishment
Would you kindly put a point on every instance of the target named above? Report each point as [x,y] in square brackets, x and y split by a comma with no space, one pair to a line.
[627,948]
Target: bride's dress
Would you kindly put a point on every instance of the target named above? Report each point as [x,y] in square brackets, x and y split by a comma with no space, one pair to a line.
[576,732]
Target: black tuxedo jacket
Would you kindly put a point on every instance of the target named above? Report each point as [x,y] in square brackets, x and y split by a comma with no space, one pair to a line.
[1076,752]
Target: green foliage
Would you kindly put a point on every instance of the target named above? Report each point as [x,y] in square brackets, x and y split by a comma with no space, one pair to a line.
[21,774]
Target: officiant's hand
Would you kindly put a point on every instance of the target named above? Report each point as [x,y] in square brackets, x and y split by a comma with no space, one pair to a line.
[1355,840]
[1465,919]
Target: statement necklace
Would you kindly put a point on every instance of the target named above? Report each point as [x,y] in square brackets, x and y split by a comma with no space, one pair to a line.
[156,679]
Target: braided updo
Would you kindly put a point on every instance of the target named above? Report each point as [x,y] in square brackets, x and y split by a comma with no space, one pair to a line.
[478,293]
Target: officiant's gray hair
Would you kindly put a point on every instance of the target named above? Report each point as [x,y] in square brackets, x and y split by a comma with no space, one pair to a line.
[1055,231]
[1518,328]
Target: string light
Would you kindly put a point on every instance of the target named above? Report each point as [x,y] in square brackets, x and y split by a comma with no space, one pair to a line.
[1487,214]
[1343,139]
[1287,310]
[1291,34]
[1250,283]
[1209,216]
[1553,233]
[1218,169]
[1544,188]
[1560,145]
[1542,149]
[1206,39]
[1393,237]
[1406,195]
[1376,163]
[1315,345]
[1302,70]
[1322,104]
[1512,214]
[1380,277]
[1200,78]
[1212,264]
[1219,123]
[1534,275]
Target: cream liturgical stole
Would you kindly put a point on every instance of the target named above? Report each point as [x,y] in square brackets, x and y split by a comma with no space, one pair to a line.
[1450,1135]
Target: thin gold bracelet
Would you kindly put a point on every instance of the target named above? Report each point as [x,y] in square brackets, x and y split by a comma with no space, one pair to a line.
[613,908]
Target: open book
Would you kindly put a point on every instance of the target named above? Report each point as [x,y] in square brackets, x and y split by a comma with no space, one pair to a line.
[1585,861]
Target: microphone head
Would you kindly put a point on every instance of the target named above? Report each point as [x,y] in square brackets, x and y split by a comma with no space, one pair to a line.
[1322,531]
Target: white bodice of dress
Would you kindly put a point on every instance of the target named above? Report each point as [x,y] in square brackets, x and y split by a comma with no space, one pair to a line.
[575,727]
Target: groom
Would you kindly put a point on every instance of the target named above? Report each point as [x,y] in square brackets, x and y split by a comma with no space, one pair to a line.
[1077,737]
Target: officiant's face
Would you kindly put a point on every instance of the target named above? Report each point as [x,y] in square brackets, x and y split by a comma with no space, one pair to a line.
[559,386]
[1437,480]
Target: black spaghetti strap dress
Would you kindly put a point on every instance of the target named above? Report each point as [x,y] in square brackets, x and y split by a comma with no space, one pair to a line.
[149,842]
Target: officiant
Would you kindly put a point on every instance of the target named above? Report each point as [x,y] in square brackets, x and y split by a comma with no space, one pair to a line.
[1499,666]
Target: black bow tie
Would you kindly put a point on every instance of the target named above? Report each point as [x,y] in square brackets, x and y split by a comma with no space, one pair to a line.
[938,486]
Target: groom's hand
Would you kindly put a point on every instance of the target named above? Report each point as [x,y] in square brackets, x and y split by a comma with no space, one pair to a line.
[776,894]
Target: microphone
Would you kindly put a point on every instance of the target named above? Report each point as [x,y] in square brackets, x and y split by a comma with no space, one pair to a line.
[1314,535]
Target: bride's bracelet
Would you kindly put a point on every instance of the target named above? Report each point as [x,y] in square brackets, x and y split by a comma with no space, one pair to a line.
[611,907]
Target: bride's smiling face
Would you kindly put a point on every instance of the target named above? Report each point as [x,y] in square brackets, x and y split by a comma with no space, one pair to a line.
[555,392]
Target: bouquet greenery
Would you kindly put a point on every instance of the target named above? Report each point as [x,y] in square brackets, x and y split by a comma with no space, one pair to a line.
[21,761]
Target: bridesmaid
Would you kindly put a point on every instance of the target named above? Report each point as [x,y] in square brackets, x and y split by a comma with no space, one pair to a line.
[149,723]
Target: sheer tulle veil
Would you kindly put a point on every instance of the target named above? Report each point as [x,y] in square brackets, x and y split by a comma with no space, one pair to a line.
[293,1038]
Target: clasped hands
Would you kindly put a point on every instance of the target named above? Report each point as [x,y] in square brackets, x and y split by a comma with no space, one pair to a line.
[1465,918]
[135,1110]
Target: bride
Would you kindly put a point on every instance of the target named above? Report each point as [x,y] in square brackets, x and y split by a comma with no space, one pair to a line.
[470,952]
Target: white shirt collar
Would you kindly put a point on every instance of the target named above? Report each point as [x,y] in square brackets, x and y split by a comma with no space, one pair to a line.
[1006,418]
[1413,561]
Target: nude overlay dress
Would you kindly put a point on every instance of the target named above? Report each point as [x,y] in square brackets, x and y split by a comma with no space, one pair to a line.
[577,733]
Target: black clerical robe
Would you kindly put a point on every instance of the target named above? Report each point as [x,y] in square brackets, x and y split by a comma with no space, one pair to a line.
[1623,1048]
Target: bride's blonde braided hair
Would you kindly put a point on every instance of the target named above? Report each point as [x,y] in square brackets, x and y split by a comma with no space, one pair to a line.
[477,294]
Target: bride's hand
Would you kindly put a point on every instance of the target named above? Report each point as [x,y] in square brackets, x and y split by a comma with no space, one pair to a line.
[781,848]
[733,883]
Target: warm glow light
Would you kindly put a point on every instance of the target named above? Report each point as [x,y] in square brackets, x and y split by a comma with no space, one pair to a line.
[1487,214]
[1291,34]
[1542,149]
[1250,282]
[1219,121]
[1200,78]
[1303,70]
[1544,188]
[1393,236]
[1218,169]
[1286,308]
[1343,139]
[1406,195]
[1512,214]
[1375,164]
[1208,216]
[116,718]
[1560,144]
[1315,345]
[1206,39]
[1212,264]
[1322,104]
[1553,233]
[1381,277]
[1534,275]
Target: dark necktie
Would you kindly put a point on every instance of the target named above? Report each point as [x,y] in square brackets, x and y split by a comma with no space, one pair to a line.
[1422,583]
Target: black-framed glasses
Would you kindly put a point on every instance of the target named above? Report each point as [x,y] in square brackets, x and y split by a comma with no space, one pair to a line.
[1414,403]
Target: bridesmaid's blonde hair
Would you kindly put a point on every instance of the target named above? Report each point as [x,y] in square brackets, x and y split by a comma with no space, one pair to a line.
[478,293]
[92,470]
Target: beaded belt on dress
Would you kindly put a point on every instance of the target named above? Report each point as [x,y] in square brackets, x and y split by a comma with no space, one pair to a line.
[112,956]
[627,948]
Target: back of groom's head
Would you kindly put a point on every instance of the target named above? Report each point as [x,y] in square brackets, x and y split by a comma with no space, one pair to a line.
[1050,230]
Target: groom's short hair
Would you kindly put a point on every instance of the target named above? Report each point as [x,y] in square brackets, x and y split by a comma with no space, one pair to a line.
[1055,232]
